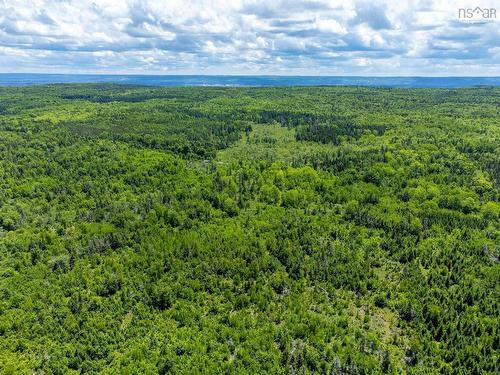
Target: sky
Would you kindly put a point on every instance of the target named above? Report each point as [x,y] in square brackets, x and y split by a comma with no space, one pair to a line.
[317,37]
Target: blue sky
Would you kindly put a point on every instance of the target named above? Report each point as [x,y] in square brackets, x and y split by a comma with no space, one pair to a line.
[393,37]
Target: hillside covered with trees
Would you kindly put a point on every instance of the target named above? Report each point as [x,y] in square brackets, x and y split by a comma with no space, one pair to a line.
[333,230]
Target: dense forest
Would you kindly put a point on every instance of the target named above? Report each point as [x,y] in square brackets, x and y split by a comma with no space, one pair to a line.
[332,230]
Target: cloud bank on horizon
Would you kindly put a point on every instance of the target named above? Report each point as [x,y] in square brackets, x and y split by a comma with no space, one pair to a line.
[316,37]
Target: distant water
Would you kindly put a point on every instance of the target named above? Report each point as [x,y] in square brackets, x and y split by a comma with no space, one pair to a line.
[26,79]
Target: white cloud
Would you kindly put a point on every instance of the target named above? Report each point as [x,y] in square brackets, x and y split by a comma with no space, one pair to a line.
[370,38]
[241,36]
[330,26]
